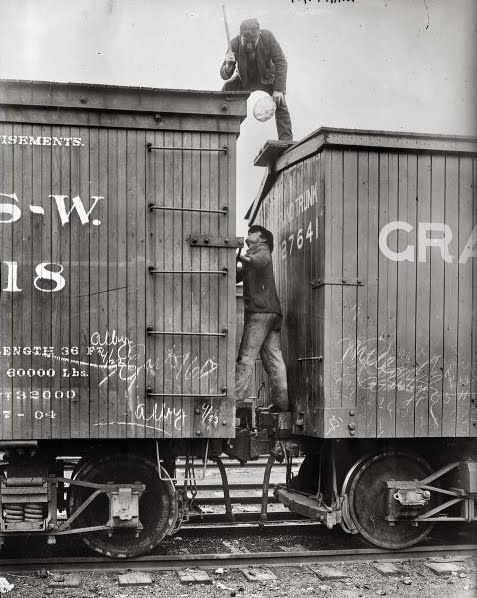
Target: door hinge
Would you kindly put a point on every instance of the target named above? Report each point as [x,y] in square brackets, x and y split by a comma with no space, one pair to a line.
[338,280]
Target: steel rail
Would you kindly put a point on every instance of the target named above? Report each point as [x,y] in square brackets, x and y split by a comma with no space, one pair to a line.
[229,560]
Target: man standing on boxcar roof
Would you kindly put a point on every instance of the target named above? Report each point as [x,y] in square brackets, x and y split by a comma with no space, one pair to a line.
[261,65]
[262,321]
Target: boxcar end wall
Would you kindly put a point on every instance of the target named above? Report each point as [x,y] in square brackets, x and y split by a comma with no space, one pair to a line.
[117,247]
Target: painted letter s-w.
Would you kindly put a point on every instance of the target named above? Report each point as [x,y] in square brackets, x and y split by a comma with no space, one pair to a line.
[10,208]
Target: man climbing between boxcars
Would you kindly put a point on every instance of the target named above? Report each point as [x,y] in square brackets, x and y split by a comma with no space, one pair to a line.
[262,321]
[261,65]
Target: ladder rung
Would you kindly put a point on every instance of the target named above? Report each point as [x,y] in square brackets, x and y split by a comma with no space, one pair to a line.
[153,270]
[151,330]
[185,394]
[224,210]
[223,149]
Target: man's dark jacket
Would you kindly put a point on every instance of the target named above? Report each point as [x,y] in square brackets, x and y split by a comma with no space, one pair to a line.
[259,291]
[271,62]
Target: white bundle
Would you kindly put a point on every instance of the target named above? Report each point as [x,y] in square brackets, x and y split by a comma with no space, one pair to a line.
[264,108]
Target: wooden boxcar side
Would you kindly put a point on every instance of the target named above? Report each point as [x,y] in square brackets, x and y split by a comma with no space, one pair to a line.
[117,235]
[375,237]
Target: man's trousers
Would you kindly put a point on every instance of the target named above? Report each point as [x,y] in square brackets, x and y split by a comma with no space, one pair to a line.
[261,335]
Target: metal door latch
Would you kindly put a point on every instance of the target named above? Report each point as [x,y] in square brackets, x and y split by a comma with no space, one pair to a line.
[215,241]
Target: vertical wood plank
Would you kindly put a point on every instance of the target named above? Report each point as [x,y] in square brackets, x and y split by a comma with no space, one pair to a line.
[290,190]
[141,273]
[327,268]
[146,404]
[122,372]
[75,316]
[411,302]
[177,402]
[372,390]
[336,302]
[20,384]
[196,284]
[298,290]
[226,292]
[464,347]
[319,300]
[350,274]
[282,188]
[393,281]
[362,340]
[406,293]
[98,424]
[205,303]
[436,313]
[451,299]
[45,298]
[384,345]
[101,234]
[155,344]
[391,374]
[305,368]
[218,345]
[228,182]
[422,302]
[131,273]
[83,290]
[30,401]
[110,322]
[65,313]
[7,230]
[310,307]
[58,259]
[187,230]
[473,383]
[169,341]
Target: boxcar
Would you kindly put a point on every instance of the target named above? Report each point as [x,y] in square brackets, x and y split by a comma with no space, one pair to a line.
[375,237]
[117,299]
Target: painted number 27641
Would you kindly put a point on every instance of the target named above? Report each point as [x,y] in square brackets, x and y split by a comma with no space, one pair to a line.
[296,240]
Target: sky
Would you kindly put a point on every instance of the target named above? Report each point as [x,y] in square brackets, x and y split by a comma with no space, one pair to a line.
[396,65]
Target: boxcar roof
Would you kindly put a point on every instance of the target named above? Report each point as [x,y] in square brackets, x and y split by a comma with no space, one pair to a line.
[122,98]
[349,138]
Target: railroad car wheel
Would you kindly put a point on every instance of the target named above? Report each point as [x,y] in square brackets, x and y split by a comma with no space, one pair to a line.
[366,493]
[157,508]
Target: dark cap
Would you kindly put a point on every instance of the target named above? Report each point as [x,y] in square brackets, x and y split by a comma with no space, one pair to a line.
[266,234]
[250,27]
